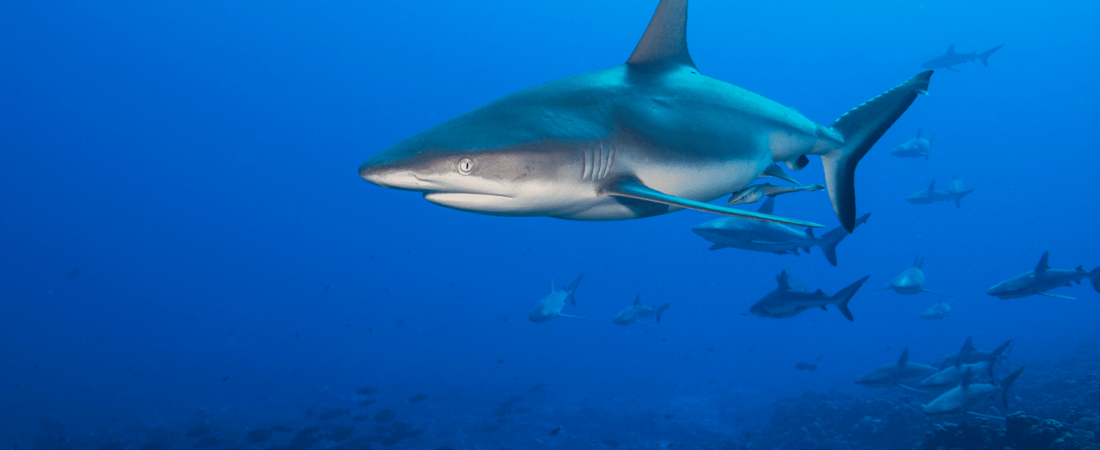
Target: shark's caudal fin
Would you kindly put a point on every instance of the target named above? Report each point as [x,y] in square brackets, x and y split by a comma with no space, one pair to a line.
[861,128]
[1007,383]
[1002,348]
[661,310]
[959,196]
[842,298]
[830,240]
[664,43]
[572,289]
[1094,277]
[985,55]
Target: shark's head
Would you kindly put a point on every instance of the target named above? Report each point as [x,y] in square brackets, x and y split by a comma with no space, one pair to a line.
[1014,287]
[918,198]
[880,377]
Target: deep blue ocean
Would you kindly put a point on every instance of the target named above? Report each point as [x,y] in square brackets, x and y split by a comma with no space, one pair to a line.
[185,241]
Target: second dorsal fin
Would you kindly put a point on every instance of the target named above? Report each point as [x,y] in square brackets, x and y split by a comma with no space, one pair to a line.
[665,39]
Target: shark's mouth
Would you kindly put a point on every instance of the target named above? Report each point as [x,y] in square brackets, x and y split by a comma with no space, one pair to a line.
[470,201]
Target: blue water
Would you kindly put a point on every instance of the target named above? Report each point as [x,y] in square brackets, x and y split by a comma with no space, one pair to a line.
[180,204]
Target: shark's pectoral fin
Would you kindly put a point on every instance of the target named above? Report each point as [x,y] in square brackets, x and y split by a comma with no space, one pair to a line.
[1063,297]
[985,416]
[570,317]
[632,188]
[644,324]
[954,69]
[911,388]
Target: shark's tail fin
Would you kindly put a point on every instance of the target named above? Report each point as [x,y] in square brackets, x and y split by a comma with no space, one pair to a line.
[1007,383]
[842,298]
[572,289]
[959,196]
[985,55]
[661,310]
[1094,277]
[861,128]
[830,240]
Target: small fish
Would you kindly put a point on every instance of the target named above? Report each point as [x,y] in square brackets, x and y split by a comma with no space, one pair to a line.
[504,420]
[555,431]
[500,361]
[537,387]
[669,416]
[74,272]
[385,415]
[226,378]
[366,391]
[611,442]
[489,428]
[334,413]
[522,410]
[418,398]
[806,366]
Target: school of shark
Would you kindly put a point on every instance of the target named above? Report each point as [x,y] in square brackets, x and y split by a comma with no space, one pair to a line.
[654,135]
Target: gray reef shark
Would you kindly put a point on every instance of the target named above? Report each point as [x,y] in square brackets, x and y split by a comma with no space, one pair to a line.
[932,195]
[896,373]
[969,394]
[1043,279]
[910,281]
[791,298]
[754,193]
[939,311]
[641,139]
[951,376]
[950,59]
[550,306]
[970,355]
[760,236]
[914,148]
[638,311]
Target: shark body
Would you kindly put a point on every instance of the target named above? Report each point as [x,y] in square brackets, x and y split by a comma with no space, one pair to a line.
[896,373]
[968,394]
[1042,279]
[910,281]
[551,305]
[791,298]
[639,311]
[970,355]
[950,58]
[648,137]
[933,195]
[917,147]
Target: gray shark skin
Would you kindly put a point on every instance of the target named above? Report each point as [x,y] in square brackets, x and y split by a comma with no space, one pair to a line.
[639,311]
[950,59]
[932,195]
[791,298]
[952,376]
[939,311]
[754,193]
[970,355]
[896,373]
[551,305]
[640,139]
[1043,279]
[914,148]
[968,394]
[910,281]
[769,237]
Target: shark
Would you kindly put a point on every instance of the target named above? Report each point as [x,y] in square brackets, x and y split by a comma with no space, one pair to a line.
[932,195]
[938,311]
[951,376]
[639,311]
[791,298]
[950,59]
[969,394]
[644,138]
[896,373]
[754,193]
[551,305]
[1043,279]
[914,148]
[910,281]
[970,355]
[770,237]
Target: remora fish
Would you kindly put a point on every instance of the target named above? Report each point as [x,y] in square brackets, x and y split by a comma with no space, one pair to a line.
[759,236]
[638,311]
[896,373]
[644,138]
[910,281]
[754,193]
[791,298]
[968,395]
[970,355]
[939,311]
[550,306]
[1043,279]
[914,148]
[949,59]
[932,195]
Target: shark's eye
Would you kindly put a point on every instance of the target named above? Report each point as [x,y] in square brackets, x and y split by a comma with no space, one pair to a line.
[465,166]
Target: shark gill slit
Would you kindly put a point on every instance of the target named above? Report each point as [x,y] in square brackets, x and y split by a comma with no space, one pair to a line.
[585,164]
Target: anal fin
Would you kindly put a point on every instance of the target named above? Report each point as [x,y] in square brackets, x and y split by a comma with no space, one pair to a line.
[632,188]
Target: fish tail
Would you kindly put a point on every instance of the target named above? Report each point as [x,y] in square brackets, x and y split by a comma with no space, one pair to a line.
[985,55]
[1094,277]
[959,196]
[661,310]
[830,240]
[861,128]
[842,298]
[1007,383]
[573,288]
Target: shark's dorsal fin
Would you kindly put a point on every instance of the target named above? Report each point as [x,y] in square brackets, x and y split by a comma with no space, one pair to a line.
[968,346]
[638,300]
[552,286]
[904,357]
[768,206]
[918,132]
[782,279]
[1043,266]
[951,49]
[665,40]
[932,186]
[967,378]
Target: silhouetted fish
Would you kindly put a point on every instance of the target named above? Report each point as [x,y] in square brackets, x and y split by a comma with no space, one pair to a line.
[366,391]
[555,431]
[806,366]
[418,398]
[334,413]
[537,387]
[366,402]
[385,415]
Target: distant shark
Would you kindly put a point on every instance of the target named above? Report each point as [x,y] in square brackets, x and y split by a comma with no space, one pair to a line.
[791,298]
[917,147]
[639,311]
[950,59]
[1043,279]
[645,138]
[970,355]
[759,236]
[754,193]
[910,281]
[932,195]
[968,395]
[939,311]
[551,305]
[952,375]
[896,373]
